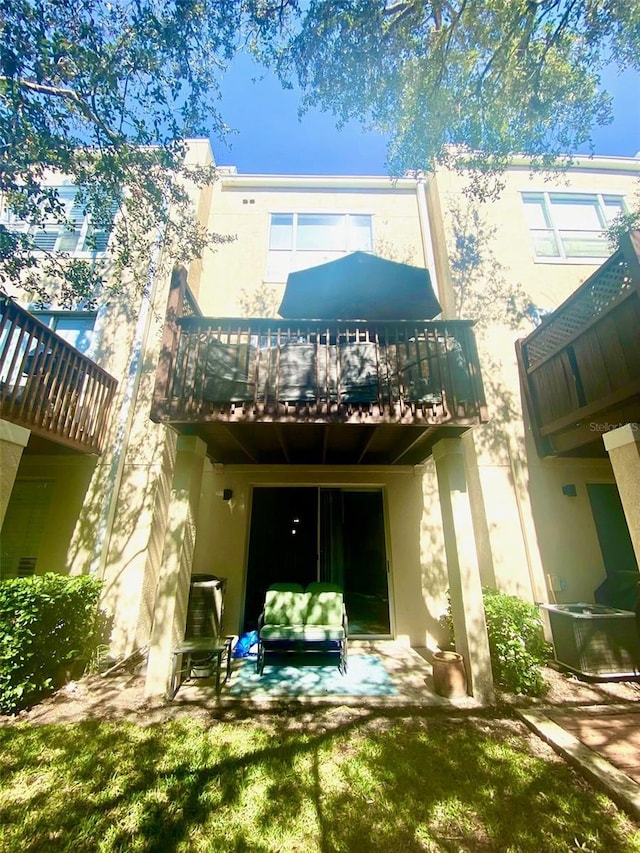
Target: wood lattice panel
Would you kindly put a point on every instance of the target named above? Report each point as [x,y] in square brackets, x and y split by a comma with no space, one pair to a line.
[596,296]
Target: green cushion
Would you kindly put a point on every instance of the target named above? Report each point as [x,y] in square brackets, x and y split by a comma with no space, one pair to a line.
[282,607]
[324,608]
[282,632]
[286,586]
[302,633]
[320,633]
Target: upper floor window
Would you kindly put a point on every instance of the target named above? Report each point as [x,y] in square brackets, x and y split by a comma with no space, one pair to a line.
[301,240]
[75,327]
[570,225]
[70,230]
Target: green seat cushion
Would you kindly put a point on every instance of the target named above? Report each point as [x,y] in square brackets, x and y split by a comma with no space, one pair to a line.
[282,632]
[301,633]
[283,607]
[320,633]
[324,608]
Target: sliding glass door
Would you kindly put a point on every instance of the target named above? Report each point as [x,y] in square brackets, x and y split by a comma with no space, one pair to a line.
[330,534]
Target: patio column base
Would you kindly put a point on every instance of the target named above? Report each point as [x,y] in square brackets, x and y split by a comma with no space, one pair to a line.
[172,597]
[465,587]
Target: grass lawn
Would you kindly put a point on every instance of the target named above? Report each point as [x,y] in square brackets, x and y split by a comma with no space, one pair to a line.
[365,781]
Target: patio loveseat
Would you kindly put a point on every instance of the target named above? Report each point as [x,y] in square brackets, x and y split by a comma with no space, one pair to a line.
[296,619]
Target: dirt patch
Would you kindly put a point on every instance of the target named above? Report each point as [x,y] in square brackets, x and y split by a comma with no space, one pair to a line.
[564,688]
[120,696]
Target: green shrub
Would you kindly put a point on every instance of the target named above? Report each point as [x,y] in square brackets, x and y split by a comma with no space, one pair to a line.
[516,642]
[49,625]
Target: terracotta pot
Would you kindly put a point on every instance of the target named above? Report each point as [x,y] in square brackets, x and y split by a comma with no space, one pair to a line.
[449,675]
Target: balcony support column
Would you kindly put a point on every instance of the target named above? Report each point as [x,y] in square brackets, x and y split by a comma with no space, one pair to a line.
[623,446]
[13,440]
[465,587]
[172,596]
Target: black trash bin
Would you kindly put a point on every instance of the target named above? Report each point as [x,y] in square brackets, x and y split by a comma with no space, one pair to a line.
[205,616]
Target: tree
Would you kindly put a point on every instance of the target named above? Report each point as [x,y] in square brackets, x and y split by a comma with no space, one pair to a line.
[488,79]
[106,93]
[482,286]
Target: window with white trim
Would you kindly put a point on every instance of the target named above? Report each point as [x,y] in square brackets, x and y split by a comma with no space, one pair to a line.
[301,240]
[69,231]
[567,226]
[75,327]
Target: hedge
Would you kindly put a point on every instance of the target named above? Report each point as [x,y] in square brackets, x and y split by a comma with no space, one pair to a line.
[49,625]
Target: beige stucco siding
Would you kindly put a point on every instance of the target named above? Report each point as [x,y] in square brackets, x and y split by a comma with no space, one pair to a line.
[69,478]
[244,212]
[533,530]
[547,281]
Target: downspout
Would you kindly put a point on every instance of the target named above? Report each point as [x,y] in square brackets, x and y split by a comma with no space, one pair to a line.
[425,233]
[125,418]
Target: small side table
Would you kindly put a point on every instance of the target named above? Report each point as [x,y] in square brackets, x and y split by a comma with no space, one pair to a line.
[217,648]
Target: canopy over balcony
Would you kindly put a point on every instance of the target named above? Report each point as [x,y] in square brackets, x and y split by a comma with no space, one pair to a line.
[49,387]
[316,392]
[580,369]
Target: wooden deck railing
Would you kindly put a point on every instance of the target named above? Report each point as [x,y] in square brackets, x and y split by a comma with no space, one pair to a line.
[218,369]
[49,387]
[581,367]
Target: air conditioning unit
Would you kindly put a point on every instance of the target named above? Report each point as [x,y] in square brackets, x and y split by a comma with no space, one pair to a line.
[595,641]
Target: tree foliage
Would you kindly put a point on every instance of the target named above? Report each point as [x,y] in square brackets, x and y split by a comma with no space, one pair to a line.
[483,287]
[489,79]
[106,93]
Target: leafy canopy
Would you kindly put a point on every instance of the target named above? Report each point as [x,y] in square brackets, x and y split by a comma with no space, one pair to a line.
[490,79]
[106,93]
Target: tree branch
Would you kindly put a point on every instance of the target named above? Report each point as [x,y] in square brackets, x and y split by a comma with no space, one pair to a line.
[66,95]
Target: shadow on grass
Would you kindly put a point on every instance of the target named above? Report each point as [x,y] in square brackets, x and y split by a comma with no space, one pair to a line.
[376,781]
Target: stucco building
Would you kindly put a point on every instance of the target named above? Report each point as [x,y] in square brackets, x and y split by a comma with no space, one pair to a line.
[398,493]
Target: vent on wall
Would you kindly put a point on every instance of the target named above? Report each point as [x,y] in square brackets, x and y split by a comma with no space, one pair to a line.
[26,566]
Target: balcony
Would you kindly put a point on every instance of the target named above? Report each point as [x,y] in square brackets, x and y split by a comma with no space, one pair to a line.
[580,369]
[316,392]
[49,387]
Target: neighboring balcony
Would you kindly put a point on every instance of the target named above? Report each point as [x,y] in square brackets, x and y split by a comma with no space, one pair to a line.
[316,392]
[580,369]
[49,387]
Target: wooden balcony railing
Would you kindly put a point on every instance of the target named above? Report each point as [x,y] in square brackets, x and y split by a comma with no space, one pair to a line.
[49,387]
[580,368]
[256,369]
[218,368]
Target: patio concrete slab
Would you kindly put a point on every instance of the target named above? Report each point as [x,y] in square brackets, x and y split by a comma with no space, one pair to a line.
[409,670]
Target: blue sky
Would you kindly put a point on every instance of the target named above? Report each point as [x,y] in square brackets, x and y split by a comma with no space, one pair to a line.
[271,139]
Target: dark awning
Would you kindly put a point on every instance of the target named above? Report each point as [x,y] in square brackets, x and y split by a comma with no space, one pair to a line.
[360,286]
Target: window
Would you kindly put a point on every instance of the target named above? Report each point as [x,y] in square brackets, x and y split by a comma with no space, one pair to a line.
[71,231]
[570,225]
[76,327]
[301,240]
